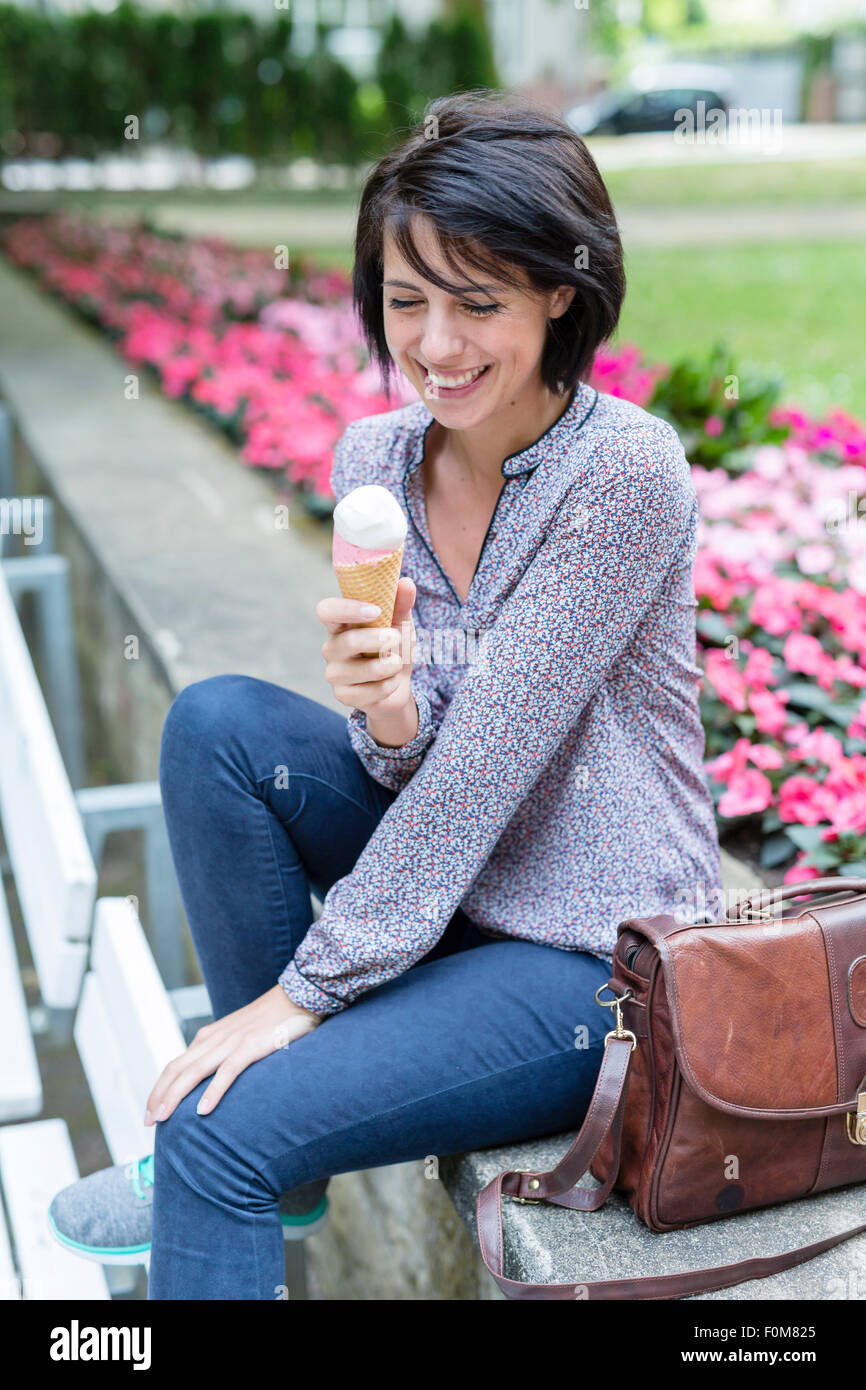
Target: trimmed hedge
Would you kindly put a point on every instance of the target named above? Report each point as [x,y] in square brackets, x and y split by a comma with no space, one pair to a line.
[220,82]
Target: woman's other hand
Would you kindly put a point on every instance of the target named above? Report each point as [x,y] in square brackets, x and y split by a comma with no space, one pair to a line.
[370,668]
[225,1048]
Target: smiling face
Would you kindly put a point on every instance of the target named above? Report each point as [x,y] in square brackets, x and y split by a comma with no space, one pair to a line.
[468,355]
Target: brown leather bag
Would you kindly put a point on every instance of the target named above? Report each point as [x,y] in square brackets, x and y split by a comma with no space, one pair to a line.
[735,1078]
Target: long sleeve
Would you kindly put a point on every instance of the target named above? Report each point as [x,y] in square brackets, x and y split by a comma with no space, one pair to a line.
[394,767]
[578,605]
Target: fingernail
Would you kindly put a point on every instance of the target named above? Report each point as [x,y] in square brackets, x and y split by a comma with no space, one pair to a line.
[203,1106]
[160,1112]
[370,610]
[148,1118]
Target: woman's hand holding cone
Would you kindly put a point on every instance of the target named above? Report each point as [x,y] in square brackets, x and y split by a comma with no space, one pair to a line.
[370,669]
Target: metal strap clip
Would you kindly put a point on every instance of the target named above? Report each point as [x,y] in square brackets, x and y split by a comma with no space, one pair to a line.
[616,1003]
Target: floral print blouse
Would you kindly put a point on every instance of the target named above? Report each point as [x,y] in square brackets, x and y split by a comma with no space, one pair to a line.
[555,786]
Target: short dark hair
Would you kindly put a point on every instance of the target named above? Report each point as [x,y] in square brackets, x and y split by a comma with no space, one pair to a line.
[504,183]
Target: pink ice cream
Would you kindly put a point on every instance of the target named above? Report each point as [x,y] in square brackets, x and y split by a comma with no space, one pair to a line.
[344,553]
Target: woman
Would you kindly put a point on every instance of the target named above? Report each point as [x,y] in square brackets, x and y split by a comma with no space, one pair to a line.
[483,822]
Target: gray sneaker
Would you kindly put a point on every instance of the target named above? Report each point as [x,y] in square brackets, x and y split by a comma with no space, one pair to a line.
[107,1215]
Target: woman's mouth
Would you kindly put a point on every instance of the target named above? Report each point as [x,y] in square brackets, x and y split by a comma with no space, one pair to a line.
[451,384]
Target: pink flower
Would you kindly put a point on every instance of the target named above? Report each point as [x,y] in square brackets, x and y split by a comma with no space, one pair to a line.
[857,727]
[849,814]
[815,559]
[820,745]
[729,764]
[726,679]
[801,872]
[847,775]
[804,801]
[747,793]
[802,652]
[769,710]
[795,733]
[714,425]
[765,755]
[759,667]
[774,607]
[710,584]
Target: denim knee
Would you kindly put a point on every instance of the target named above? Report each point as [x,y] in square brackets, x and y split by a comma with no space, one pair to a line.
[206,704]
[217,711]
[203,1152]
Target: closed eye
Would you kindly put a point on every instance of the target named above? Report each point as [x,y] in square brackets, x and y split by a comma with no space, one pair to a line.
[478,310]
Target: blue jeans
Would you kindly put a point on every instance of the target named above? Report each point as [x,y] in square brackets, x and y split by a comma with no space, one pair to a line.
[479,1043]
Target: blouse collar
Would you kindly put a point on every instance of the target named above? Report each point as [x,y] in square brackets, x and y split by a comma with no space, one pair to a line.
[557,436]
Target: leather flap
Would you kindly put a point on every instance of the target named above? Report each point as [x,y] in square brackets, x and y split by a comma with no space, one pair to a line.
[760,1010]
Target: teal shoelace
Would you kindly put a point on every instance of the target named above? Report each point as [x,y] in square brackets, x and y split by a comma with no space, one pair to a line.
[141,1172]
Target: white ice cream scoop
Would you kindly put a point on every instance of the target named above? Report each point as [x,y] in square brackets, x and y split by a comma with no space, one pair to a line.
[371,517]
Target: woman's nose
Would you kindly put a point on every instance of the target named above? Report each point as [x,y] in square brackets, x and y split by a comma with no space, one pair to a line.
[440,343]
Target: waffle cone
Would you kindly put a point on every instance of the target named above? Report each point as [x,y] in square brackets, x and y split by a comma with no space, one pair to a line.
[373,583]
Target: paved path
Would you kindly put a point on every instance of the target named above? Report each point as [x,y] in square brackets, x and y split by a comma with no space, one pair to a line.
[185,532]
[335,226]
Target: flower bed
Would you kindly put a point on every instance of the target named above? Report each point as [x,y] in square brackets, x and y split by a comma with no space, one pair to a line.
[274,358]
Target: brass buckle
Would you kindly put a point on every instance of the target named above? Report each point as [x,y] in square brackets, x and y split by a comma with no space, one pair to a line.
[618,1031]
[526,1201]
[856,1124]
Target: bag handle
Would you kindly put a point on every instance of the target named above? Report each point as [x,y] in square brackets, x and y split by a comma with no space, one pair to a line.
[765,897]
[605,1116]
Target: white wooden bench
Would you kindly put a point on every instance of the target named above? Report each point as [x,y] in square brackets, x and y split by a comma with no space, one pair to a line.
[50,861]
[127,1024]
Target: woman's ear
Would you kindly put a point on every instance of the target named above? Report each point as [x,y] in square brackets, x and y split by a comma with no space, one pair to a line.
[559,300]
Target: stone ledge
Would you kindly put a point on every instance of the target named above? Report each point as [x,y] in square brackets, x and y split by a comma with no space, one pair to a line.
[551,1245]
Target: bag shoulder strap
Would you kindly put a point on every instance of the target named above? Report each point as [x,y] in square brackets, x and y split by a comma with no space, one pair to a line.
[604,1117]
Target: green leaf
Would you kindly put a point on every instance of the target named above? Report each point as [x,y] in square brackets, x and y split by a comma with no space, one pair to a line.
[825,858]
[855,869]
[713,627]
[776,850]
[807,695]
[806,837]
[843,714]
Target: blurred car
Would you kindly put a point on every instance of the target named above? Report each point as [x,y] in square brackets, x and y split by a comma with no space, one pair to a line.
[650,101]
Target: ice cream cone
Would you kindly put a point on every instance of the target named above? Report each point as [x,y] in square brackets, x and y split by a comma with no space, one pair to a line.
[373,582]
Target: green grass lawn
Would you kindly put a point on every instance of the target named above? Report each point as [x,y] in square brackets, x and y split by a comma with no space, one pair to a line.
[767,182]
[796,308]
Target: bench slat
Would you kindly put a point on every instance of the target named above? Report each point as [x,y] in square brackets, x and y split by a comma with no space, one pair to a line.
[120,1119]
[142,1020]
[125,1030]
[36,1161]
[10,1287]
[20,1082]
[55,876]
